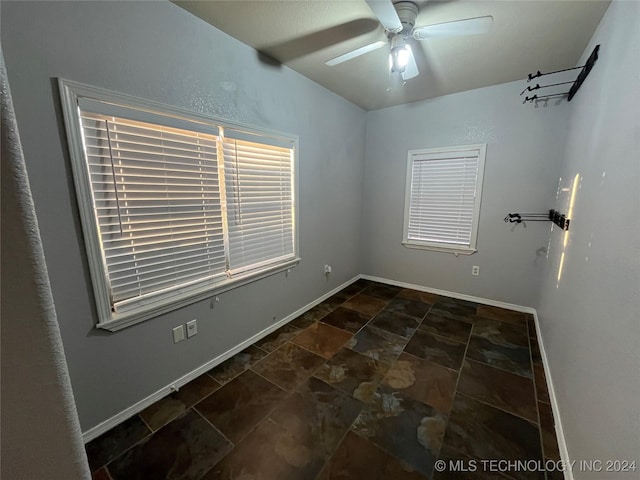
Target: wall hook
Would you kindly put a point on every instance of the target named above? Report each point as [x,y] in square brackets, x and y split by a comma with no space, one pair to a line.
[575,85]
[556,217]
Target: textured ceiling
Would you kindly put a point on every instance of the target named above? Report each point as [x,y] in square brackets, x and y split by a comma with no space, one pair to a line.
[526,36]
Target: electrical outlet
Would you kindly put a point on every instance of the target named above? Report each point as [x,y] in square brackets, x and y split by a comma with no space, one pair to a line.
[475,270]
[327,269]
[192,328]
[178,334]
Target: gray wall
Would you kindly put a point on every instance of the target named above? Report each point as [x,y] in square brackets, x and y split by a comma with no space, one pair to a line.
[160,52]
[41,435]
[524,146]
[590,319]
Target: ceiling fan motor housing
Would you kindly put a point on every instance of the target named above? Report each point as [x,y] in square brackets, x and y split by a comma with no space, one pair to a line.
[407,12]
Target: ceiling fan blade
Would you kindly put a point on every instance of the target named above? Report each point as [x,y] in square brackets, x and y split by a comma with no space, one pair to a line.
[355,53]
[411,70]
[458,28]
[386,13]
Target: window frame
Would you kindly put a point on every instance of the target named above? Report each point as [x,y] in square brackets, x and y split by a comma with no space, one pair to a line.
[444,246]
[71,92]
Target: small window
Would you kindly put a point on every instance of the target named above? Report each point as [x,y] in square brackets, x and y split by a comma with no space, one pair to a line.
[442,203]
[175,206]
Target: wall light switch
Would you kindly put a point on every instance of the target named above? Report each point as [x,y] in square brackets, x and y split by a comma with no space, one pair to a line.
[192,328]
[178,334]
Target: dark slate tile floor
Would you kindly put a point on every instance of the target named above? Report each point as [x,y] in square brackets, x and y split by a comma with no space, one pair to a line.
[376,382]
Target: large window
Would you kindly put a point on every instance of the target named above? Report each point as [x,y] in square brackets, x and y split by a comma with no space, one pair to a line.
[175,206]
[443,193]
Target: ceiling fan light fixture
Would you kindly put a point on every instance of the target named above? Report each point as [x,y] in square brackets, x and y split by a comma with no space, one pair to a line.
[399,56]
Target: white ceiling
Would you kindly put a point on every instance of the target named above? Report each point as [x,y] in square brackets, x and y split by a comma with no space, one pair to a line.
[526,36]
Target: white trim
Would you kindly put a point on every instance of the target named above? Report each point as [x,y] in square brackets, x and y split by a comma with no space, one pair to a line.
[445,293]
[455,251]
[207,291]
[118,418]
[562,444]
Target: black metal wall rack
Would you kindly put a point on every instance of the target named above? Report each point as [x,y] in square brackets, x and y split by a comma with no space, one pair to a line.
[553,216]
[575,85]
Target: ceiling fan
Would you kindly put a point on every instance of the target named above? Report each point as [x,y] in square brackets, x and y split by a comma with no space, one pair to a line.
[398,20]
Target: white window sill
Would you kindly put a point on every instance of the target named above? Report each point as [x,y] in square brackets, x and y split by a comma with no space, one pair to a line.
[441,248]
[119,321]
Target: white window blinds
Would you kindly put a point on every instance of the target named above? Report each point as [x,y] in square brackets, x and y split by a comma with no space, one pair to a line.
[157,206]
[259,199]
[443,197]
[175,206]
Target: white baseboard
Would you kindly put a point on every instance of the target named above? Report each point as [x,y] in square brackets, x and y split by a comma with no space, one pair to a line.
[174,386]
[460,296]
[562,445]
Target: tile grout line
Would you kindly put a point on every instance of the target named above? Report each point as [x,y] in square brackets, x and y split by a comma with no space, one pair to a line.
[106,469]
[455,391]
[143,439]
[500,368]
[265,378]
[232,378]
[187,407]
[443,337]
[453,370]
[296,390]
[484,402]
[255,427]
[331,455]
[200,414]
[233,445]
[194,406]
[296,386]
[356,311]
[388,452]
[145,422]
[308,350]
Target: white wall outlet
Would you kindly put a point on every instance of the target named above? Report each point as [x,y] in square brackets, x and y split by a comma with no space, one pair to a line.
[327,269]
[192,328]
[475,270]
[178,334]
